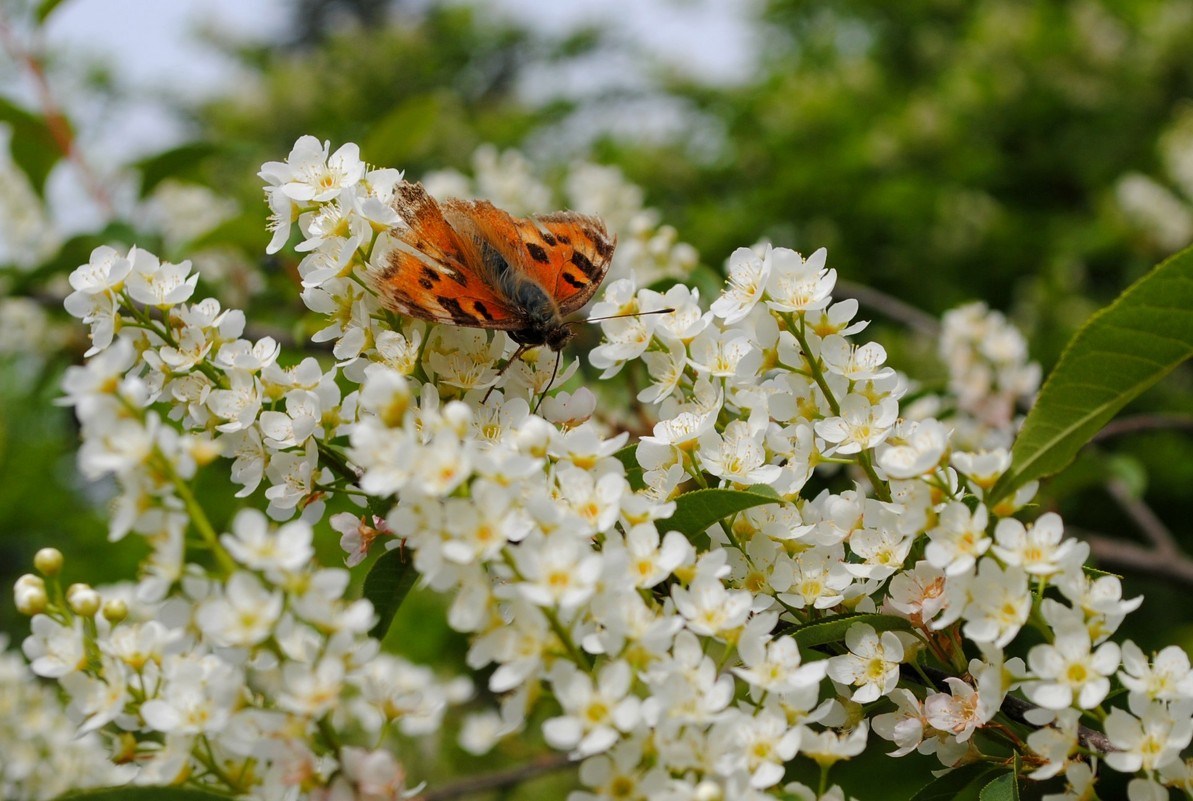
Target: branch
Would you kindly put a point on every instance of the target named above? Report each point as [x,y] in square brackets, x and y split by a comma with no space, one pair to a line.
[889,306]
[1115,553]
[56,121]
[1144,422]
[500,780]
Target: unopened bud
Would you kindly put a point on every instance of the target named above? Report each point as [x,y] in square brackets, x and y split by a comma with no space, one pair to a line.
[205,451]
[29,595]
[115,610]
[83,599]
[48,561]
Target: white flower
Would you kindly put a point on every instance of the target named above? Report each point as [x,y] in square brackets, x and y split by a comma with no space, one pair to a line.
[1166,678]
[312,690]
[872,664]
[709,609]
[798,285]
[914,448]
[243,616]
[253,544]
[905,726]
[760,744]
[595,709]
[861,425]
[748,272]
[1148,737]
[775,666]
[999,602]
[738,456]
[1040,551]
[1070,672]
[308,174]
[724,353]
[98,700]
[198,696]
[857,363]
[157,283]
[54,650]
[104,272]
[958,539]
[558,571]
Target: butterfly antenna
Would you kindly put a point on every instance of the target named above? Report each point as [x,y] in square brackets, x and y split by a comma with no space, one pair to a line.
[554,372]
[627,314]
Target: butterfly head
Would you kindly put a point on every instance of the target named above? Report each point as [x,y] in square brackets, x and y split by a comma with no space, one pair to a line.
[554,333]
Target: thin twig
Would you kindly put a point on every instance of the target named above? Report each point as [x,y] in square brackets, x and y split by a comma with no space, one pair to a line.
[1144,422]
[1142,516]
[56,121]
[889,306]
[1119,555]
[500,780]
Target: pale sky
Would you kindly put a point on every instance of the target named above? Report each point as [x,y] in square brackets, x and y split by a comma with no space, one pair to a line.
[152,49]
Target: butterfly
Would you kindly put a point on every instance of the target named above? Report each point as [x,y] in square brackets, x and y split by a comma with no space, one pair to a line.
[468,263]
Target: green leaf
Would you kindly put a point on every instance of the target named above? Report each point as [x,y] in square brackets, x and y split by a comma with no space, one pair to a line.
[391,579]
[45,8]
[696,511]
[1001,788]
[952,785]
[833,629]
[146,793]
[628,456]
[34,150]
[1122,350]
[179,162]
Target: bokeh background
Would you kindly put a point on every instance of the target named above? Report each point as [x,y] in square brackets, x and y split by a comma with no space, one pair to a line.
[1037,156]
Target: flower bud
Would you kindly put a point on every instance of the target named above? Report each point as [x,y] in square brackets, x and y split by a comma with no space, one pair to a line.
[115,610]
[29,594]
[48,561]
[204,451]
[83,599]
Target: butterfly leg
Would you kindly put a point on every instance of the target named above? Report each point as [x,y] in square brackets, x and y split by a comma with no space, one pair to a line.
[517,355]
[554,372]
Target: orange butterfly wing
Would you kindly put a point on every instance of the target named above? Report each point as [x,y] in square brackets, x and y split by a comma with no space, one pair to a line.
[566,253]
[437,273]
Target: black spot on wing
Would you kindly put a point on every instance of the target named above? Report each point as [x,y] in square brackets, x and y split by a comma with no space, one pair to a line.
[586,266]
[604,247]
[456,311]
[537,253]
[568,278]
[426,283]
[430,275]
[480,309]
[548,237]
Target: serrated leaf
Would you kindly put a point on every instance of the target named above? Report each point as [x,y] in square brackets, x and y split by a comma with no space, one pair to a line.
[1122,350]
[34,150]
[1001,788]
[145,793]
[833,629]
[952,785]
[697,510]
[177,162]
[387,585]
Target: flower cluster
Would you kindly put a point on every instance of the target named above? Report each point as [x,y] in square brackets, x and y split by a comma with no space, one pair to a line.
[753,582]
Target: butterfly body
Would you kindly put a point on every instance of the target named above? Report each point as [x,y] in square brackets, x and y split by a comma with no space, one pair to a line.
[469,263]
